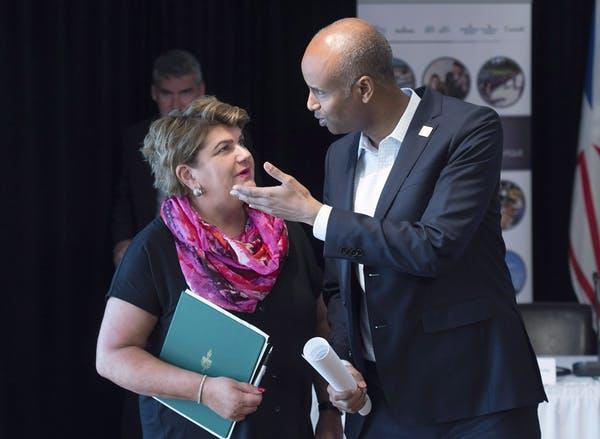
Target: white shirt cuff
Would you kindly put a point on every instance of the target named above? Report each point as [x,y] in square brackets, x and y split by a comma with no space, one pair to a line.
[320,224]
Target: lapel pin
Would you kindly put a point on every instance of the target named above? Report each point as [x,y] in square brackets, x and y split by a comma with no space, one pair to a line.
[425,131]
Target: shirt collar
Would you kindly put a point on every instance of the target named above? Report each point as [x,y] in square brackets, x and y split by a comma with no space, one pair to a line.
[399,131]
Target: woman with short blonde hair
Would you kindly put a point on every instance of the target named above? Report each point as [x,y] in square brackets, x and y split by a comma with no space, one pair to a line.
[252,264]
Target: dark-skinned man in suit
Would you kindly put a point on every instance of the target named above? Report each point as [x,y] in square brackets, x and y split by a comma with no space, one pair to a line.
[420,298]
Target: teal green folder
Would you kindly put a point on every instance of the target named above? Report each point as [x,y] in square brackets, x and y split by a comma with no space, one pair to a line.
[210,340]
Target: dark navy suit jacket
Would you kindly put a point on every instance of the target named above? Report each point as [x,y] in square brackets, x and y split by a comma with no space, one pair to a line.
[448,339]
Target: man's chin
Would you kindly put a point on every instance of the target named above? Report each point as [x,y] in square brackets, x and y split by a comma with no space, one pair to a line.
[331,129]
[336,128]
[336,131]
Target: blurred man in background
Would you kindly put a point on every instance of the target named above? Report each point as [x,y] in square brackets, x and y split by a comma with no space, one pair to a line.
[176,81]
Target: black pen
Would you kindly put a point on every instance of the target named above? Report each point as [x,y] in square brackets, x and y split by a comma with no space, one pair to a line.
[263,366]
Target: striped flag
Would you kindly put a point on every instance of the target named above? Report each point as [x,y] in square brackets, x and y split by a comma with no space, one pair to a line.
[584,242]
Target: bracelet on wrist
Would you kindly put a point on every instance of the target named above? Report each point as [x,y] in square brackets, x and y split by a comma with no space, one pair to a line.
[199,399]
[326,405]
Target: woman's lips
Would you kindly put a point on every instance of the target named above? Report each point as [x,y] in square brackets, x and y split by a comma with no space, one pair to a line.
[244,173]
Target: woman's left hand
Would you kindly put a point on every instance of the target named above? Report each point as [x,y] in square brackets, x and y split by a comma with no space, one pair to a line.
[329,425]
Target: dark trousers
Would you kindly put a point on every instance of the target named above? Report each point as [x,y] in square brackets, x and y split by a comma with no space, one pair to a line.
[518,423]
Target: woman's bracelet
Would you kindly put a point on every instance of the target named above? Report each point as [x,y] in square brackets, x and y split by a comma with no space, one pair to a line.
[199,399]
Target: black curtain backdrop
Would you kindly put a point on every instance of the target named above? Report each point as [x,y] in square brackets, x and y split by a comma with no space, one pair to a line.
[74,74]
[561,31]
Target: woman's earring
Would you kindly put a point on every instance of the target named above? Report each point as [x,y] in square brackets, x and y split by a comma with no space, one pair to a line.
[197,191]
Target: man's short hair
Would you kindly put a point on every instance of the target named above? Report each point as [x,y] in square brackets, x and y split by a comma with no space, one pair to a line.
[367,53]
[176,63]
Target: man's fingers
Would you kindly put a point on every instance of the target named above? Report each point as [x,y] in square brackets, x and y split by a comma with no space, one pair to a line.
[251,191]
[355,403]
[356,406]
[360,381]
[349,401]
[282,177]
[341,396]
[242,197]
[254,196]
[275,172]
[261,198]
[352,404]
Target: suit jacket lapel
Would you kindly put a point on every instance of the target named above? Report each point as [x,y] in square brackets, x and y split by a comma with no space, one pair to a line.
[347,180]
[345,201]
[410,151]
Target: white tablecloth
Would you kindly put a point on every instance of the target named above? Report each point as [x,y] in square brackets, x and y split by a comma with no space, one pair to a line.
[573,407]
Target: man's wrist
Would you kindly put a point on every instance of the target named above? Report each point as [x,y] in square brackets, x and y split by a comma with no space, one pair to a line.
[314,211]
[328,406]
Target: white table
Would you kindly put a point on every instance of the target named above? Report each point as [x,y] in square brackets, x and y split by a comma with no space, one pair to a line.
[573,407]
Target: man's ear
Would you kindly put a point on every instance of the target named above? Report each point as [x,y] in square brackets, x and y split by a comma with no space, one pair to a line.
[366,87]
[185,176]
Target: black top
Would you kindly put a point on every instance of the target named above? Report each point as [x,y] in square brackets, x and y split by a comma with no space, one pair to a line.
[150,277]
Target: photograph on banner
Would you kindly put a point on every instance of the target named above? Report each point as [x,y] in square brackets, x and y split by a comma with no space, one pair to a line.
[491,44]
[512,204]
[501,82]
[515,207]
[517,269]
[448,76]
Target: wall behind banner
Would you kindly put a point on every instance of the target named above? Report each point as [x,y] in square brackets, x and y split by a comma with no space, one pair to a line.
[75,73]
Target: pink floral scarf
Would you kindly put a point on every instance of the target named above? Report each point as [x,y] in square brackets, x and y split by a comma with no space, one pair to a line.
[233,273]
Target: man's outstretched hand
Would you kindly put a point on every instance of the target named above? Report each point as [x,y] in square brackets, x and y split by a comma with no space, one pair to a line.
[290,200]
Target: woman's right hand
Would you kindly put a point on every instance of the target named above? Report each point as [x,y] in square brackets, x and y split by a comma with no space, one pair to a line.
[231,399]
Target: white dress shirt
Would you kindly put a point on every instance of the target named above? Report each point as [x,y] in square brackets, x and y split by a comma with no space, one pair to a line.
[372,170]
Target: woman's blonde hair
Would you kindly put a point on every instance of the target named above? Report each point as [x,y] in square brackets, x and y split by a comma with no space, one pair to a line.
[175,139]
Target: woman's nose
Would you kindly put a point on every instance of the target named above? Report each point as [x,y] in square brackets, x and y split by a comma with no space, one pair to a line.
[243,154]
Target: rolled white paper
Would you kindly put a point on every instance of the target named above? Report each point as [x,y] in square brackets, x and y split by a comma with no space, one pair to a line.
[323,358]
